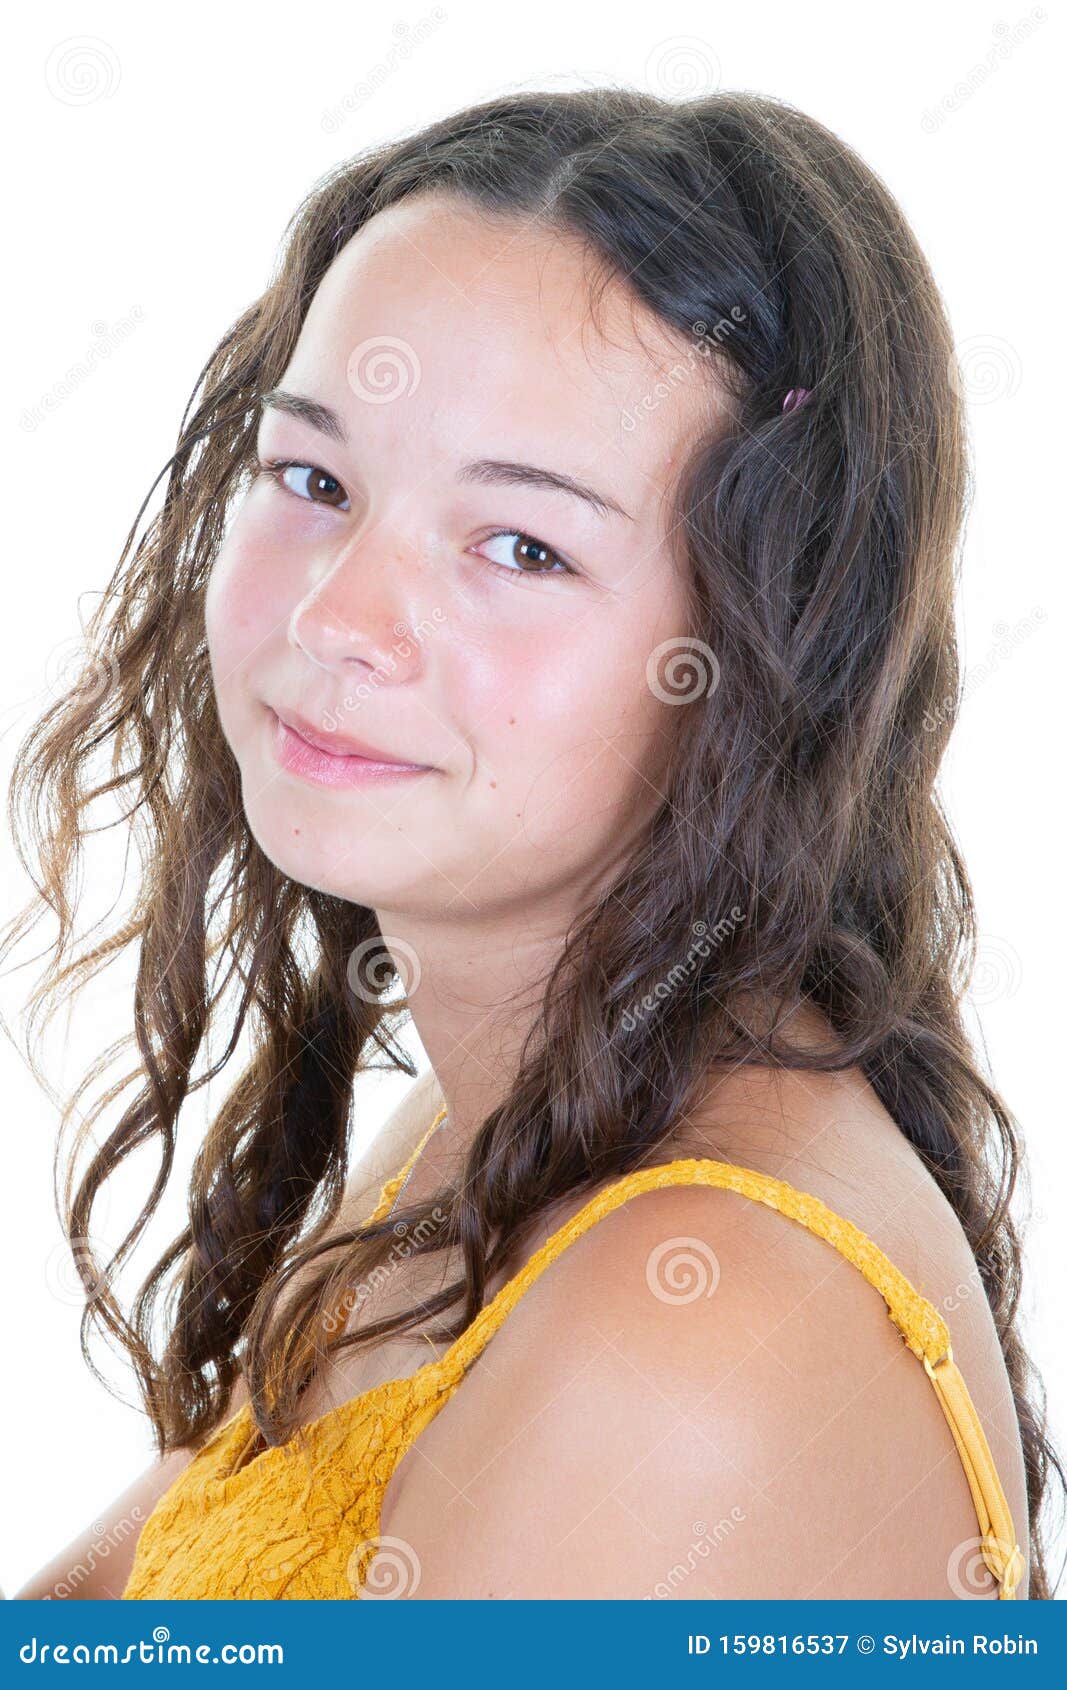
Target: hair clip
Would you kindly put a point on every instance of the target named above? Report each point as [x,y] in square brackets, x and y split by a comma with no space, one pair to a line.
[795,396]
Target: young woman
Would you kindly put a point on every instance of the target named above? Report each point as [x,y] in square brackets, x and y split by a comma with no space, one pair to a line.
[550,615]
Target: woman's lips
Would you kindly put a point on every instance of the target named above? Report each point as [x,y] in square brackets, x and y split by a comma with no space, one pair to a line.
[328,768]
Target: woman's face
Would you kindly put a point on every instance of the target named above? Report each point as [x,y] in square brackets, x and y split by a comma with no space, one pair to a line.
[362,593]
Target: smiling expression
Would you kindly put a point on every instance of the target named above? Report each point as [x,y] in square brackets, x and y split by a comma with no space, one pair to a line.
[456,552]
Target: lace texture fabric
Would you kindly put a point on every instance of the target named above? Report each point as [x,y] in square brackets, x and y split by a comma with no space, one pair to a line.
[304,1522]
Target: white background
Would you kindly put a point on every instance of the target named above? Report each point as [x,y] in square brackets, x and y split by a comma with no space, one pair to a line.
[145,204]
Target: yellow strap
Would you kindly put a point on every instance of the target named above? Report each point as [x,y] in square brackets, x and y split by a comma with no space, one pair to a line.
[1000,1551]
[915,1317]
[392,1186]
[337,1317]
[920,1324]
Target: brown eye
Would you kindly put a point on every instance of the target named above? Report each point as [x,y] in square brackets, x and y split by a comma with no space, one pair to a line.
[526,555]
[309,482]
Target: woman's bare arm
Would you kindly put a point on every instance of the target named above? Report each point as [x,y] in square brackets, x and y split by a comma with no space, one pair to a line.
[96,1564]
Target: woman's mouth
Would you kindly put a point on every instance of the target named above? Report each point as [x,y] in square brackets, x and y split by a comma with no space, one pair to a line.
[325,767]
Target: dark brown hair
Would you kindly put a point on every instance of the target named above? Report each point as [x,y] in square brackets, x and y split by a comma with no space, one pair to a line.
[800,822]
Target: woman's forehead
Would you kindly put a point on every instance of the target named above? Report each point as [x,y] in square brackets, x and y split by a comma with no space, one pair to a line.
[499,318]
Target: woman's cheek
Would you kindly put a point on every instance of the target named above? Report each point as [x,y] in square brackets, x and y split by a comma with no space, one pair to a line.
[240,604]
[537,706]
[234,619]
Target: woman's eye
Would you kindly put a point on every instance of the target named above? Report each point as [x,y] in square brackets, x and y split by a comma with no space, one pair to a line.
[525,555]
[309,482]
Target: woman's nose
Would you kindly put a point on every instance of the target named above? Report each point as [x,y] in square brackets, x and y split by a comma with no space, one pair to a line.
[359,613]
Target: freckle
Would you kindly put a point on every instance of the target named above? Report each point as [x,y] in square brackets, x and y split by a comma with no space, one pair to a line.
[511,721]
[492,783]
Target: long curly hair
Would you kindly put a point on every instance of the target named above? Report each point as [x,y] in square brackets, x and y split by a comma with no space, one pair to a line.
[799,822]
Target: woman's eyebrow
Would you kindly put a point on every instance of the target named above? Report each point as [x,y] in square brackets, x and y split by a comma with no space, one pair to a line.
[316,415]
[481,470]
[529,475]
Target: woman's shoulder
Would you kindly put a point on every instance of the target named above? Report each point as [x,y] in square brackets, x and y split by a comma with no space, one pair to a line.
[697,1381]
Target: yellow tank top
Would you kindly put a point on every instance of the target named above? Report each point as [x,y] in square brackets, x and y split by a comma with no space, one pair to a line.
[290,1524]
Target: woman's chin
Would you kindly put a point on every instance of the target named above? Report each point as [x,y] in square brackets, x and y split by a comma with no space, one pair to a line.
[298,850]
